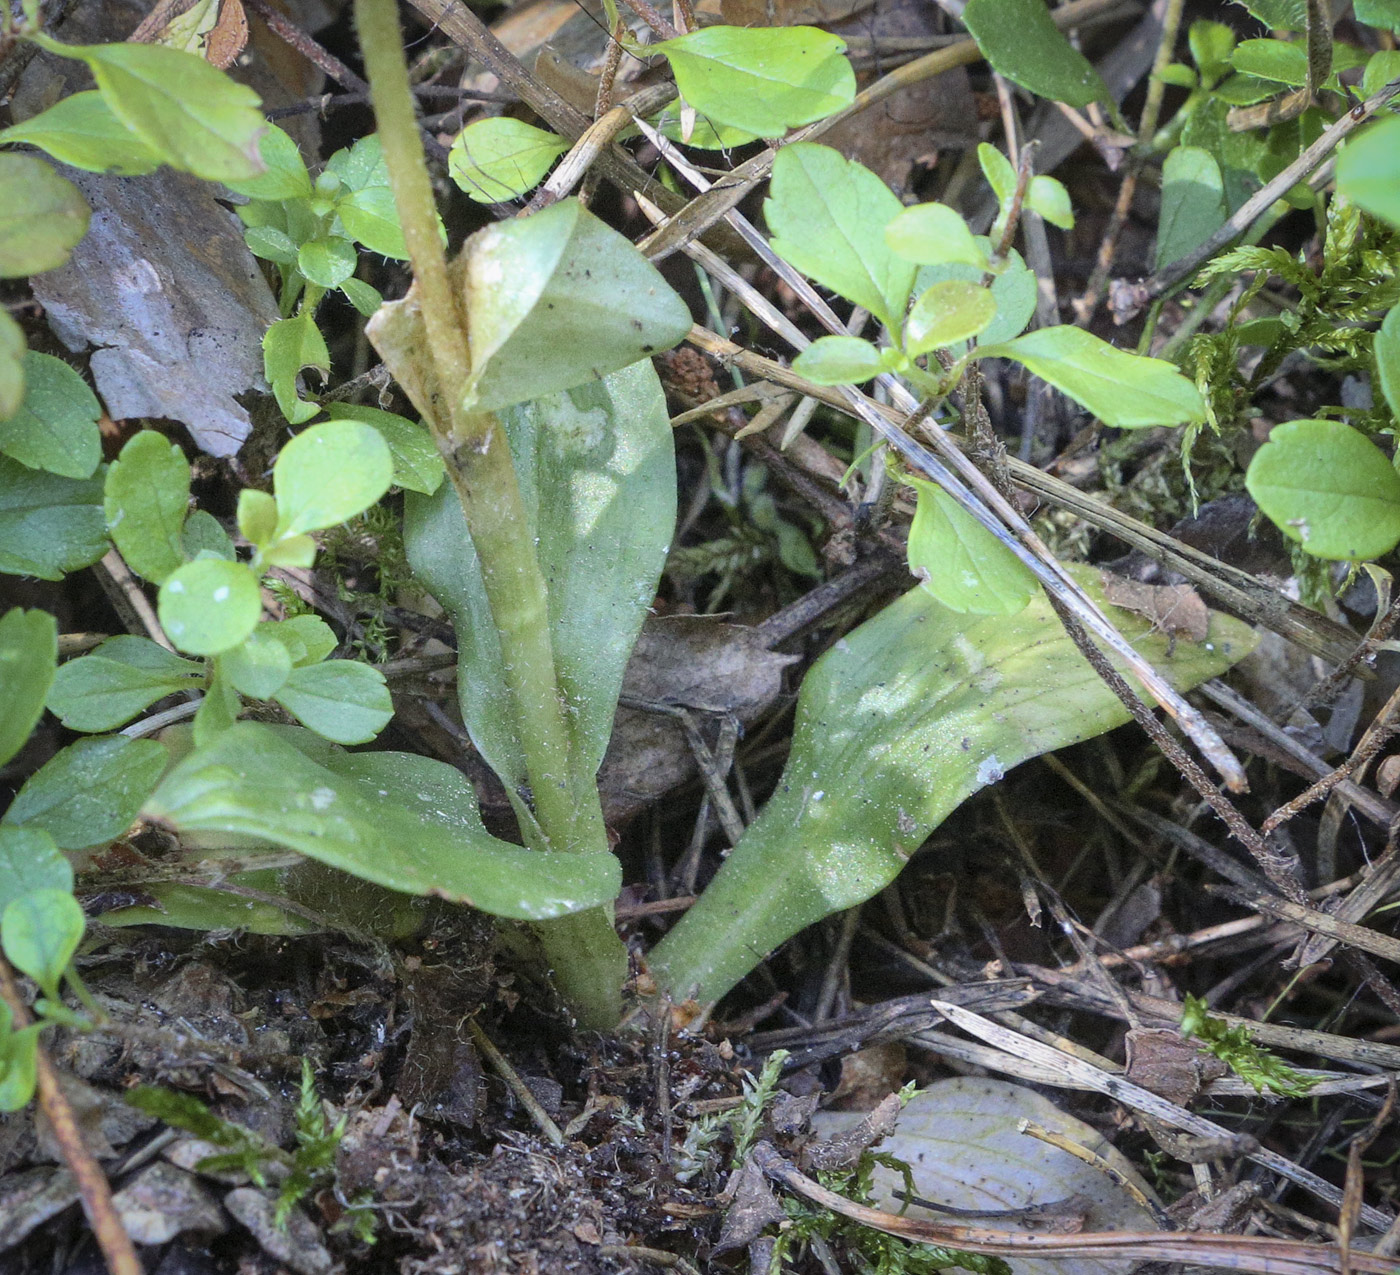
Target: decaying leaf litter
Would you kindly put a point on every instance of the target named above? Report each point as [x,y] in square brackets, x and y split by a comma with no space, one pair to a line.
[1050,934]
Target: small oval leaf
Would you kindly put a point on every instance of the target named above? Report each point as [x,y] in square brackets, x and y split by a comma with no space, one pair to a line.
[209,606]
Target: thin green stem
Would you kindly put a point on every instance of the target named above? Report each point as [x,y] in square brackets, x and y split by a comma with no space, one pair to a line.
[588,957]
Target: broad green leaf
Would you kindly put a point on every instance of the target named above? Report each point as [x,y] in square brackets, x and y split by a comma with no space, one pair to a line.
[328,474]
[370,217]
[271,244]
[55,428]
[1050,199]
[49,525]
[1379,13]
[288,346]
[1387,354]
[828,216]
[597,473]
[12,347]
[257,516]
[931,234]
[218,710]
[1021,42]
[960,562]
[1328,487]
[81,131]
[285,176]
[498,159]
[947,313]
[146,499]
[341,700]
[360,166]
[19,1060]
[42,217]
[209,606]
[417,464]
[203,537]
[1124,390]
[89,793]
[196,118]
[1013,290]
[1368,171]
[41,930]
[29,860]
[363,297]
[999,171]
[308,638]
[839,360]
[1279,15]
[1381,68]
[123,676]
[704,134]
[259,666]
[1211,45]
[1272,60]
[1193,202]
[897,725]
[28,653]
[764,80]
[327,262]
[251,782]
[557,299]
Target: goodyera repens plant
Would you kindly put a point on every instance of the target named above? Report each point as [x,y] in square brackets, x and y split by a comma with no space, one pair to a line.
[527,357]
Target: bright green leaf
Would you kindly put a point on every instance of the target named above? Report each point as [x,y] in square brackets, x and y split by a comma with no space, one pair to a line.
[839,360]
[999,172]
[341,700]
[290,551]
[363,297]
[218,710]
[208,606]
[1279,15]
[328,474]
[257,516]
[897,724]
[1379,13]
[55,428]
[597,474]
[1381,68]
[705,135]
[1020,40]
[947,313]
[1272,60]
[19,1062]
[250,782]
[1211,45]
[960,562]
[370,217]
[29,861]
[89,793]
[501,158]
[930,234]
[288,346]
[203,536]
[28,653]
[196,117]
[41,930]
[1051,200]
[558,299]
[12,347]
[122,677]
[327,262]
[1329,487]
[1387,355]
[1193,202]
[1368,170]
[286,176]
[146,499]
[417,464]
[49,525]
[42,217]
[259,666]
[360,166]
[828,216]
[80,130]
[1124,390]
[271,244]
[764,80]
[308,638]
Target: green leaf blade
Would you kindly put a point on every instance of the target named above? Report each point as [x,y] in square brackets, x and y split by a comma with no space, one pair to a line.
[1368,170]
[1126,391]
[341,700]
[49,525]
[209,606]
[960,562]
[28,654]
[250,782]
[55,428]
[80,130]
[839,360]
[42,217]
[328,474]
[41,930]
[1020,40]
[122,677]
[947,313]
[145,501]
[1328,487]
[499,159]
[763,80]
[828,216]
